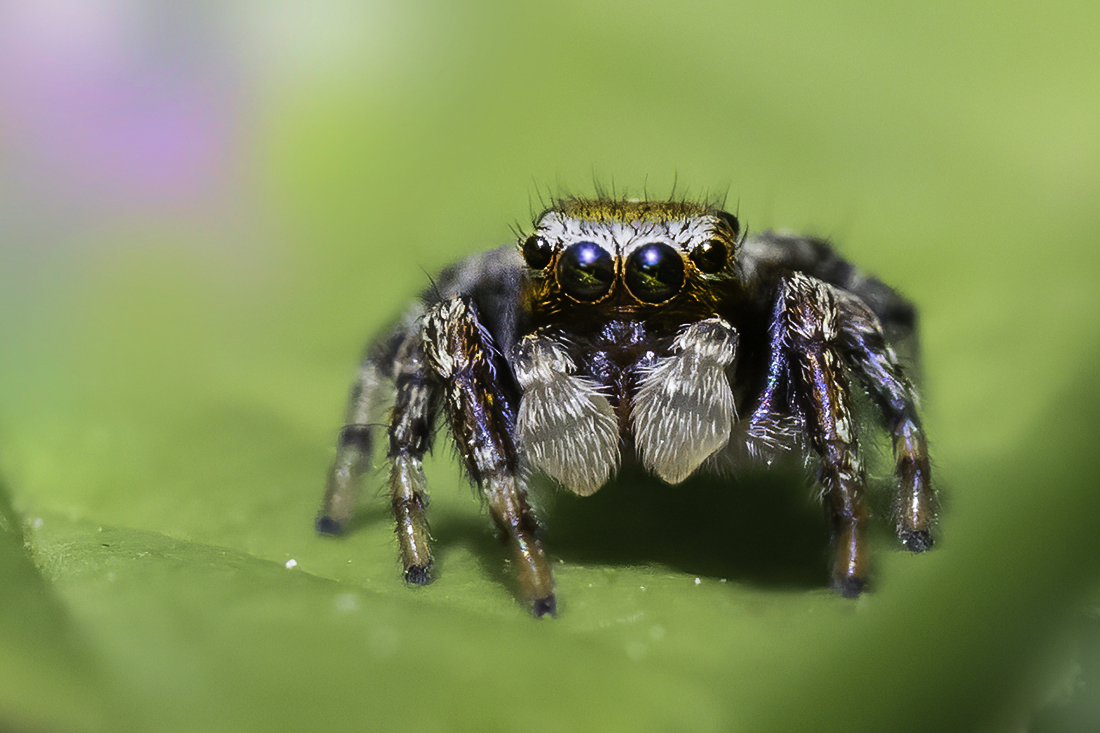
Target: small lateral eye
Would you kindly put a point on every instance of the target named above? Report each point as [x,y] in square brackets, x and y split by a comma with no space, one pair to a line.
[536,252]
[654,272]
[586,271]
[710,256]
[731,222]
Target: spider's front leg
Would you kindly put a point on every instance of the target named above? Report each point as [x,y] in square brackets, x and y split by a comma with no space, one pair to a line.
[461,353]
[808,322]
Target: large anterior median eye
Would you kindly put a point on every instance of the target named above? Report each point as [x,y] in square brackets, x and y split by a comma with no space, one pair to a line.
[654,272]
[586,271]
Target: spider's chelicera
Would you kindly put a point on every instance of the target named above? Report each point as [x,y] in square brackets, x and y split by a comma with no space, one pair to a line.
[653,331]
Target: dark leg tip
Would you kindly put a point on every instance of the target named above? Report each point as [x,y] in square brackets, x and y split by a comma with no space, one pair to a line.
[547,606]
[917,540]
[850,587]
[327,525]
[418,574]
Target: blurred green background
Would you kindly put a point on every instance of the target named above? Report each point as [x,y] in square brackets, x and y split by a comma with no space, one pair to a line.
[206,209]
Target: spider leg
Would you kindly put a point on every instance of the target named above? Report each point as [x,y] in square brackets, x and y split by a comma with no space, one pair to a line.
[415,409]
[353,451]
[770,429]
[809,326]
[873,360]
[462,353]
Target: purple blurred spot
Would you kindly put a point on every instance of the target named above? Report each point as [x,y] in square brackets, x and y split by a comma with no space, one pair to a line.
[117,105]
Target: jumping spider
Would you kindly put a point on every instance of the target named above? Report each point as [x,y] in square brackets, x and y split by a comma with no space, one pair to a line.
[653,331]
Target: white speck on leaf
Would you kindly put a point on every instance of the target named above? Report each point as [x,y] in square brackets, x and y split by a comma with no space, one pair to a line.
[347,602]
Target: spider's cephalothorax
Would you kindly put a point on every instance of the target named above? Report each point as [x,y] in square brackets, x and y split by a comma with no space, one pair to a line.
[639,330]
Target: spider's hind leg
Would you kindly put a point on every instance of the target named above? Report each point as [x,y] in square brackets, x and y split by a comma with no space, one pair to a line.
[353,451]
[875,363]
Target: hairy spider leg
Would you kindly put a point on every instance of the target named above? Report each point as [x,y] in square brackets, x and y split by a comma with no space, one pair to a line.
[356,441]
[462,354]
[809,326]
[876,321]
[874,362]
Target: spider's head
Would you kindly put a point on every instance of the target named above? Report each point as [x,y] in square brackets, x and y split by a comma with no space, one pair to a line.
[629,255]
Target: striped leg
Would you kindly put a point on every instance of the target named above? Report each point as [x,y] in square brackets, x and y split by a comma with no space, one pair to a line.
[461,352]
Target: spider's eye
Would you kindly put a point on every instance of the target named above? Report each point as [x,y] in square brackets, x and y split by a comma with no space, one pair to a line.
[731,223]
[654,272]
[586,271]
[710,256]
[537,252]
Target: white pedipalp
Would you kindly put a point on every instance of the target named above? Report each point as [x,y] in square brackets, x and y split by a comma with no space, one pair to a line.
[684,411]
[566,427]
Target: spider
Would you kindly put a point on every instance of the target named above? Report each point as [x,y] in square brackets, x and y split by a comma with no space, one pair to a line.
[637,330]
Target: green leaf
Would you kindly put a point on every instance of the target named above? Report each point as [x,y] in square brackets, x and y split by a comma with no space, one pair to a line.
[50,676]
[172,371]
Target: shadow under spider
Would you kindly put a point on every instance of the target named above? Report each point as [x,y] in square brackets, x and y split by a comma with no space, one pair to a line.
[761,527]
